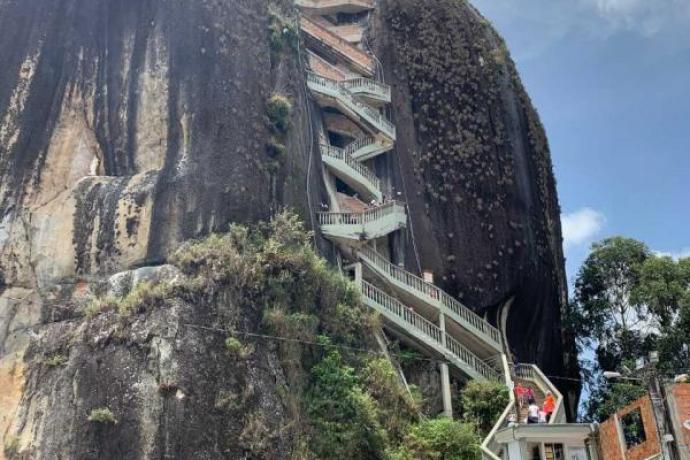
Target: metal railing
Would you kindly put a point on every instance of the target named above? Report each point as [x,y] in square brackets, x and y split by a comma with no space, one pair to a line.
[361,218]
[343,155]
[533,373]
[416,322]
[409,316]
[368,85]
[436,295]
[333,88]
[489,446]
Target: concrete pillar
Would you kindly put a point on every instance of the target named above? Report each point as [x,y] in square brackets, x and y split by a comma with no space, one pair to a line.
[445,391]
[358,275]
[445,374]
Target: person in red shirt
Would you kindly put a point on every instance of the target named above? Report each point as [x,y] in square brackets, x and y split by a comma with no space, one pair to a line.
[520,393]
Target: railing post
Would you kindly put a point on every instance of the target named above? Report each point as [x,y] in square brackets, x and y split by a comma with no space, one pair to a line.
[445,374]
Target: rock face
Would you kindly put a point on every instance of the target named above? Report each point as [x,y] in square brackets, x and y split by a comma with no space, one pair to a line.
[127,127]
[171,384]
[474,166]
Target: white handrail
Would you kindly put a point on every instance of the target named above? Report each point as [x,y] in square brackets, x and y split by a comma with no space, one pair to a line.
[340,154]
[368,85]
[533,373]
[349,99]
[360,218]
[470,318]
[426,327]
[489,441]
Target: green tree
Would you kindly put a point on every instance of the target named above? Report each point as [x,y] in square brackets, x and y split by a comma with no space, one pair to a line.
[663,287]
[607,399]
[606,311]
[629,301]
[344,417]
[440,439]
[482,403]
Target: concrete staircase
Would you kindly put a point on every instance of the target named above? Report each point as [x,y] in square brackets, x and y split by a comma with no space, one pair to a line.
[342,81]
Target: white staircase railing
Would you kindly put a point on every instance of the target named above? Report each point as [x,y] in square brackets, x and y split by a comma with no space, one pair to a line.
[412,321]
[361,218]
[490,447]
[332,88]
[435,296]
[365,148]
[342,155]
[532,373]
[367,85]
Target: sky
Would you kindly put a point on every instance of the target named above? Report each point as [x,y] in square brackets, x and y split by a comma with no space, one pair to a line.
[611,82]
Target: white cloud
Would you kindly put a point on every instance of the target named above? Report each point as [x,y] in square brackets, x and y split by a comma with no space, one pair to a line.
[682,254]
[647,17]
[581,226]
[547,22]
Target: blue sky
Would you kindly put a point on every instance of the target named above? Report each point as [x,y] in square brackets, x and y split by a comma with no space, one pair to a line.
[611,81]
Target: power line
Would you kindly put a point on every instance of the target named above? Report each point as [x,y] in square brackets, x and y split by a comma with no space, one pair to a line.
[312,343]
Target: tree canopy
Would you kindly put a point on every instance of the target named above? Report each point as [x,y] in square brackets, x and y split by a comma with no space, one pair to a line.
[628,301]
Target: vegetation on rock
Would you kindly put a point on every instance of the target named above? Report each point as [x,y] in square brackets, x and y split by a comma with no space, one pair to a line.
[55,360]
[345,398]
[284,33]
[144,295]
[11,447]
[102,415]
[440,439]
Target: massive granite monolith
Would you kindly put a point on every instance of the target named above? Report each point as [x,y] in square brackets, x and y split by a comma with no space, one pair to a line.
[130,126]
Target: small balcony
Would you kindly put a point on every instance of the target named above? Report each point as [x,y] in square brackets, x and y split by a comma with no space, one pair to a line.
[357,227]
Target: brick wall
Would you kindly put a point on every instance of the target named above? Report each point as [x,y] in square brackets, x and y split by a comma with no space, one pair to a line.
[611,444]
[679,407]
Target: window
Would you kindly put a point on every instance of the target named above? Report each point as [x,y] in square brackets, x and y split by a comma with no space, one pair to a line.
[553,452]
[535,453]
[577,453]
[633,429]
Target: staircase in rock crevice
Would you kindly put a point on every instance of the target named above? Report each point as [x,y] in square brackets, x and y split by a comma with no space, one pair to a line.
[341,79]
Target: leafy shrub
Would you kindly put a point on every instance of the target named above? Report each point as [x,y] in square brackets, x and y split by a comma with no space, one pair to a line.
[56,360]
[255,435]
[283,32]
[11,447]
[144,295]
[300,326]
[344,418]
[278,109]
[236,348]
[439,439]
[482,403]
[397,407]
[275,148]
[102,415]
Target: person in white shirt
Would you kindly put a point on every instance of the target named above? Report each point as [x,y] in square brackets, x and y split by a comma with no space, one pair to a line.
[532,412]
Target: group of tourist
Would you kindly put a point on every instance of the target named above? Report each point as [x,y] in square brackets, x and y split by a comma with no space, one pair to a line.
[535,414]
